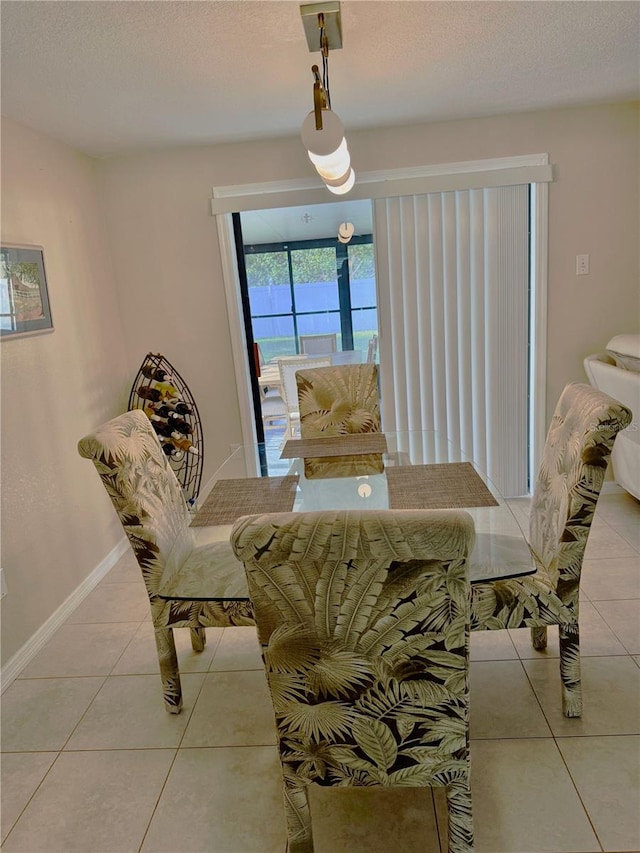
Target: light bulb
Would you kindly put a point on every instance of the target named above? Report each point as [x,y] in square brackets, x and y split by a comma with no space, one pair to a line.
[344,188]
[335,165]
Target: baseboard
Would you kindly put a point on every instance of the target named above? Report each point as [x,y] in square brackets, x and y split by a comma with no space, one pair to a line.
[17,663]
[609,487]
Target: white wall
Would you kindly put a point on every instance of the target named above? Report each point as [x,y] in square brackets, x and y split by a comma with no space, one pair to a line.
[168,258]
[57,521]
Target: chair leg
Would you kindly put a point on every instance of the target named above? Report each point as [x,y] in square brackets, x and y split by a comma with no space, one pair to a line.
[198,639]
[539,638]
[569,636]
[460,821]
[297,815]
[169,672]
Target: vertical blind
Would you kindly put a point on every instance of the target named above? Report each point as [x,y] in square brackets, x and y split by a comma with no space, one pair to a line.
[453,297]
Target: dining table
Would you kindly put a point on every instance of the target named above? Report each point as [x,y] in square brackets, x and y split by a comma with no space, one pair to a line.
[419,470]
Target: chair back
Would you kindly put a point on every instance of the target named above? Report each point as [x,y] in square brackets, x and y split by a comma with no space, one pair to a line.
[340,400]
[288,368]
[575,457]
[319,344]
[145,494]
[258,359]
[372,349]
[363,619]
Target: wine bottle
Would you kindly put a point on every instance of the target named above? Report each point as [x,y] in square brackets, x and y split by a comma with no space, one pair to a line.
[162,430]
[165,388]
[170,449]
[181,426]
[183,443]
[179,407]
[148,393]
[163,410]
[161,426]
[156,373]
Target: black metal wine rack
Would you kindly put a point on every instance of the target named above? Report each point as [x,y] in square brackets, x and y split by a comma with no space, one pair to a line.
[164,396]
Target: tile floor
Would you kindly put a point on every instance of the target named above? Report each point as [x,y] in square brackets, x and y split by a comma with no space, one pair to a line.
[92,763]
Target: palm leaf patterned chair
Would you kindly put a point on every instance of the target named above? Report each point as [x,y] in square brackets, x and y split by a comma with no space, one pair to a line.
[189,586]
[576,453]
[339,400]
[363,621]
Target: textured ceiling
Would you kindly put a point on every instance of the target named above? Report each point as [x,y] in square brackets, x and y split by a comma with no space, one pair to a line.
[118,76]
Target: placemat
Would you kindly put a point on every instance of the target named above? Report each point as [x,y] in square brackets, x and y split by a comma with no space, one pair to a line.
[448,485]
[229,499]
[335,445]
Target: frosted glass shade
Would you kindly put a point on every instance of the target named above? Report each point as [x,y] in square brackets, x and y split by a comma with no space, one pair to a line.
[322,142]
[346,186]
[345,232]
[337,182]
[334,166]
[327,149]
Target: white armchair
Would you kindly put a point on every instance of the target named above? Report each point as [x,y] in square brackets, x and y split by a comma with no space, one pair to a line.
[617,373]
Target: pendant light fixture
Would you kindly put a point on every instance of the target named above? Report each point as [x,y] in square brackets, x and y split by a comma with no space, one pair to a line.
[345,232]
[322,131]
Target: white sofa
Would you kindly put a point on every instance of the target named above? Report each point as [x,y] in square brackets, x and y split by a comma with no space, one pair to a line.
[617,373]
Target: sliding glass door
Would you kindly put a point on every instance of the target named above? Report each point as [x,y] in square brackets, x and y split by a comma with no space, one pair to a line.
[298,288]
[311,287]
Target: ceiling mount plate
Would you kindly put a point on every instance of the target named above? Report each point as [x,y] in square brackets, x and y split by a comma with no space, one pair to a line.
[332,24]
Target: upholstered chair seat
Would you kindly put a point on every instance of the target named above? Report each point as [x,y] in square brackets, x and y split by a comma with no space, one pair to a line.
[363,620]
[576,453]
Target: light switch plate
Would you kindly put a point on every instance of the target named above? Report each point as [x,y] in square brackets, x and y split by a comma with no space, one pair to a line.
[582,264]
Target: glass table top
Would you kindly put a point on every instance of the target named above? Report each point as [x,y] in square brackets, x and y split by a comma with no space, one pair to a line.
[500,550]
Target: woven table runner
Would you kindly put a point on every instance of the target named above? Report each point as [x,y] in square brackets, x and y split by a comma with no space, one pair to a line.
[449,485]
[357,444]
[229,499]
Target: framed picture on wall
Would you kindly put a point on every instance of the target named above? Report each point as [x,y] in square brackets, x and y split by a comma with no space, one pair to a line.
[24,299]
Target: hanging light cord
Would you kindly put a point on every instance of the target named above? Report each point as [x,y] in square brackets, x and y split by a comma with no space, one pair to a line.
[324,49]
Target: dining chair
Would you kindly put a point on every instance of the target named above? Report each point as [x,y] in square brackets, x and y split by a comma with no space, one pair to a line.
[272,406]
[273,410]
[288,368]
[575,457]
[372,349]
[338,400]
[189,585]
[258,359]
[363,622]
[319,344]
